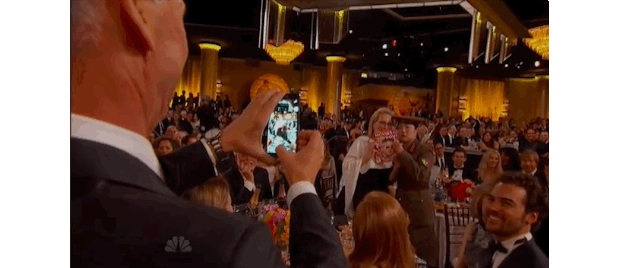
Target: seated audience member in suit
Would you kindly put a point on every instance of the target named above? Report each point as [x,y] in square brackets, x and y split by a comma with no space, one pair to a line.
[171,131]
[178,137]
[510,159]
[214,193]
[168,120]
[380,223]
[462,140]
[451,137]
[441,160]
[458,171]
[543,150]
[245,178]
[529,164]
[530,142]
[513,208]
[185,124]
[490,167]
[442,136]
[165,146]
[122,211]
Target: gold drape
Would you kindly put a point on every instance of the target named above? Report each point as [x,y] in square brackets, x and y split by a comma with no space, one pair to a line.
[485,98]
[190,79]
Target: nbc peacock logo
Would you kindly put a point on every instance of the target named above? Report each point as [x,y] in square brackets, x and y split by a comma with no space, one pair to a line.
[178,244]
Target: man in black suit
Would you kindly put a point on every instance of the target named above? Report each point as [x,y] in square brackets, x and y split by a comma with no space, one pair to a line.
[184,123]
[442,137]
[543,149]
[321,110]
[529,165]
[440,160]
[530,142]
[168,120]
[514,207]
[458,171]
[451,137]
[122,212]
[245,178]
[462,140]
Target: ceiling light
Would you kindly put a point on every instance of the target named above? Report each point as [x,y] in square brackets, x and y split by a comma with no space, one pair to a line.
[386,54]
[384,46]
[364,75]
[521,63]
[399,54]
[445,49]
[405,69]
[421,44]
[394,42]
[506,65]
[350,31]
[537,63]
[477,66]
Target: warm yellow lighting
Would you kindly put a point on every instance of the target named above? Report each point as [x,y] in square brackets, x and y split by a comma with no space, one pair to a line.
[540,41]
[364,75]
[336,58]
[446,69]
[285,53]
[210,46]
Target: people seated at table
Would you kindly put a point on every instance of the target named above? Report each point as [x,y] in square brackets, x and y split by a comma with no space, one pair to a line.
[360,173]
[451,137]
[462,139]
[510,159]
[458,172]
[246,178]
[214,193]
[515,206]
[489,169]
[380,234]
[544,143]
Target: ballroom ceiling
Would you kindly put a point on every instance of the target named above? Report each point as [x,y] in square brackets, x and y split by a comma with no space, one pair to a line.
[421,43]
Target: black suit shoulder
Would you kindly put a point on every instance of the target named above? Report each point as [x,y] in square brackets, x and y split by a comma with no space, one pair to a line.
[527,255]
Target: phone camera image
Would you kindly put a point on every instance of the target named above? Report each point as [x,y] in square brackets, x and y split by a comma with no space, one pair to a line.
[282,126]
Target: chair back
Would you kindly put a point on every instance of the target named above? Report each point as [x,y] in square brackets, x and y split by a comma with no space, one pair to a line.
[328,185]
[457,217]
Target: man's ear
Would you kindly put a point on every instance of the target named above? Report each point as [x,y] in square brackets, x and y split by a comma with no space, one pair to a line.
[139,34]
[531,217]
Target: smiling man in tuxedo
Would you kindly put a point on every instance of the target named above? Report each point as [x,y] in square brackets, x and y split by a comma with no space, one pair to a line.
[513,208]
[126,60]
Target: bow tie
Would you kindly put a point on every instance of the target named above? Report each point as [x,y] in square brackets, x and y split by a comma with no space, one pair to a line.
[496,246]
[461,168]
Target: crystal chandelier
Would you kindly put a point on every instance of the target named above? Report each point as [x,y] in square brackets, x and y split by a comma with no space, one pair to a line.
[285,53]
[540,41]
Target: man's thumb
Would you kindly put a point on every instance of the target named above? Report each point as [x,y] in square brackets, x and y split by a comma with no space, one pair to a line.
[283,154]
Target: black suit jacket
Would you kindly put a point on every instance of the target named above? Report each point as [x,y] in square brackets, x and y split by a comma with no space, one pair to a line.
[443,140]
[186,126]
[450,143]
[123,215]
[527,255]
[467,173]
[447,161]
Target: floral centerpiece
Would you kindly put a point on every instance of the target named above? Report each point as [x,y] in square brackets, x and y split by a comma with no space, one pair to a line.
[278,221]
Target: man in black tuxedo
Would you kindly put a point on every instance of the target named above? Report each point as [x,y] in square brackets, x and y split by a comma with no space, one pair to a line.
[529,165]
[184,123]
[245,178]
[530,142]
[514,207]
[462,140]
[168,120]
[442,137]
[122,212]
[543,149]
[440,160]
[451,137]
[458,171]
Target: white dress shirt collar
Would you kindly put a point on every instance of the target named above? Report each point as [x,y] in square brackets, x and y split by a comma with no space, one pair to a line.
[90,129]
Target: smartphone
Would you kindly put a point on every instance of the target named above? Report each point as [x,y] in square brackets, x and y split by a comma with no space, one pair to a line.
[283,125]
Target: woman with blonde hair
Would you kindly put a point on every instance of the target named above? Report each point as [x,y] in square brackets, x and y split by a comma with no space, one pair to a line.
[380,234]
[360,173]
[212,193]
[490,167]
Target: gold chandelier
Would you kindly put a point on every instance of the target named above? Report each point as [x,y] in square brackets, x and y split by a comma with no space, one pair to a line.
[285,53]
[540,41]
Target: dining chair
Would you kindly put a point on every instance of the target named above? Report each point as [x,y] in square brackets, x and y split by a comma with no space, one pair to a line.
[457,217]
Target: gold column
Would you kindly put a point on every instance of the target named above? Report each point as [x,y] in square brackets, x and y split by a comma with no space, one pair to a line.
[209,63]
[444,94]
[280,25]
[334,84]
[543,85]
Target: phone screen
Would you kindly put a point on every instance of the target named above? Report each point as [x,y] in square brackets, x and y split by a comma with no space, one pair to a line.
[283,125]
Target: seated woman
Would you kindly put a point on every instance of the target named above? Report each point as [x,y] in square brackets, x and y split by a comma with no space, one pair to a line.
[212,193]
[490,168]
[380,234]
[488,142]
[165,145]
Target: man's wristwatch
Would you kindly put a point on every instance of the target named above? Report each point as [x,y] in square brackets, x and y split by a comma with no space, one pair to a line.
[221,158]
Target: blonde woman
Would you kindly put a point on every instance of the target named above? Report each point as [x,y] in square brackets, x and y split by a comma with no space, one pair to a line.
[380,234]
[212,193]
[490,167]
[360,173]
